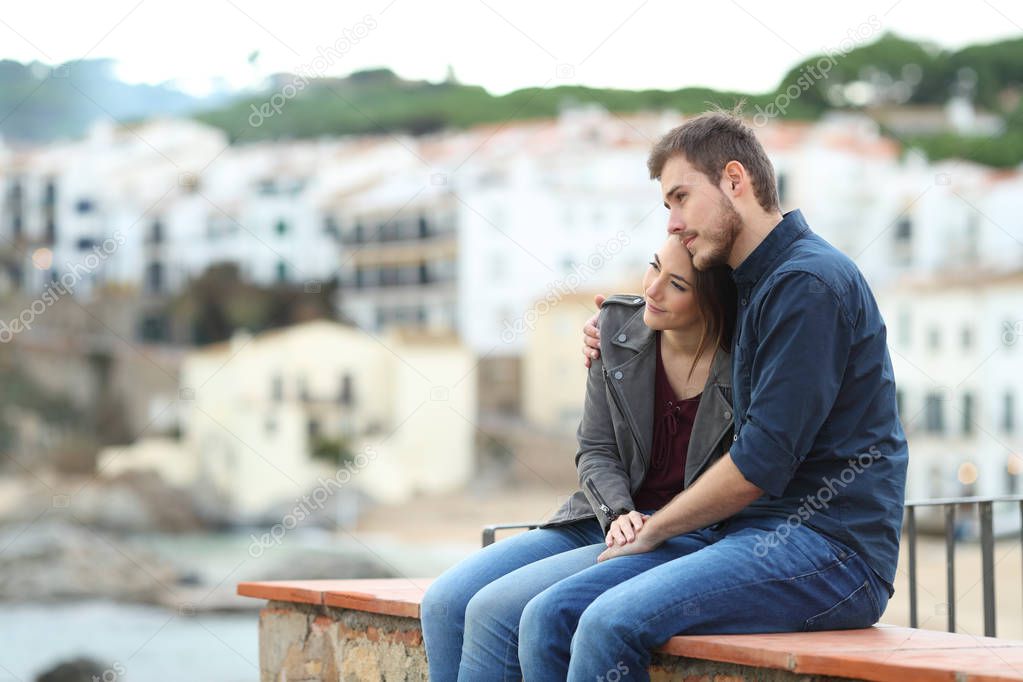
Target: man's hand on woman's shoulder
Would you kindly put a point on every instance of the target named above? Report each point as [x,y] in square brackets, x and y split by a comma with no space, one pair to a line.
[591,333]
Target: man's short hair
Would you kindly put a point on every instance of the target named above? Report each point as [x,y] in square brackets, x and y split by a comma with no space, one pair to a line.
[709,142]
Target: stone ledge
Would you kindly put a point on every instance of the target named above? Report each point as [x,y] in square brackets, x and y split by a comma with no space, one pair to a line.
[369,630]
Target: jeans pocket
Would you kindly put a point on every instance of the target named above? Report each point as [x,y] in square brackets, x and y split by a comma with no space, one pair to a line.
[838,550]
[858,610]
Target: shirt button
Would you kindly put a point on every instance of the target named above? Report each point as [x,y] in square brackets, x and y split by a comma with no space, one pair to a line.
[618,375]
[621,338]
[735,438]
[728,414]
[745,301]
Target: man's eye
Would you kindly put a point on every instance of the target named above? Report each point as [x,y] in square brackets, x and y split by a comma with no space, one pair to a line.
[654,265]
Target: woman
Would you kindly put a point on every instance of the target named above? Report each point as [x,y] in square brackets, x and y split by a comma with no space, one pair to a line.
[657,414]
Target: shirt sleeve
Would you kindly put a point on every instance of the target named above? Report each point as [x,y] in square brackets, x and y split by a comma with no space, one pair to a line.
[802,350]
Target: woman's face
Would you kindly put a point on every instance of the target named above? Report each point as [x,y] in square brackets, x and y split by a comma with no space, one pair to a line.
[668,285]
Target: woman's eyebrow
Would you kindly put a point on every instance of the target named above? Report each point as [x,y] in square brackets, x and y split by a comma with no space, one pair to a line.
[672,274]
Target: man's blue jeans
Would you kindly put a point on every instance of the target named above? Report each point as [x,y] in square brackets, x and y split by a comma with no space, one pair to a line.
[601,621]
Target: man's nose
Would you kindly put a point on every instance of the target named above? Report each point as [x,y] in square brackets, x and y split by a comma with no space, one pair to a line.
[675,225]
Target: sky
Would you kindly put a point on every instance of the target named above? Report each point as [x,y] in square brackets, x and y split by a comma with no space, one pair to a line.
[501,45]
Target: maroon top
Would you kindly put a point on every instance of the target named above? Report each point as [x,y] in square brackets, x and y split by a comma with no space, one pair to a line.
[673,425]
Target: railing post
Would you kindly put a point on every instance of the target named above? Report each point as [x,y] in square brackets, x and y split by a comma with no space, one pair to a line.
[987,556]
[950,565]
[911,530]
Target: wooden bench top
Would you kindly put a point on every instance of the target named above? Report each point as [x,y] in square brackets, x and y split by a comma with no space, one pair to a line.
[882,652]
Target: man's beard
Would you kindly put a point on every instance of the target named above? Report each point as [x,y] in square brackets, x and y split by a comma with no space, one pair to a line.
[720,238]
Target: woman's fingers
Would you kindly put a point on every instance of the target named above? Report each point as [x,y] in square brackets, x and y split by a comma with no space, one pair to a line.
[637,519]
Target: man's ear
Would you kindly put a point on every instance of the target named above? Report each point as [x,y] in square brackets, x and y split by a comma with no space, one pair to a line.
[733,176]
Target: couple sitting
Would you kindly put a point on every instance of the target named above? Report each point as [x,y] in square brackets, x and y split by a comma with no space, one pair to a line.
[741,461]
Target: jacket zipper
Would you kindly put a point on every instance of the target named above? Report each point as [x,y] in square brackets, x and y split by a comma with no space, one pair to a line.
[614,397]
[600,499]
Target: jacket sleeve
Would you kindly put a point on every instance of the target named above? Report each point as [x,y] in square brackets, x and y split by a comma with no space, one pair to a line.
[602,474]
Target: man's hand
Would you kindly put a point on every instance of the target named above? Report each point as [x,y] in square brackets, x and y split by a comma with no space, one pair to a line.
[644,542]
[591,334]
[624,529]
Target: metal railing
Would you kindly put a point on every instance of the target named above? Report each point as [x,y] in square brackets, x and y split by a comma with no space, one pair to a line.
[987,550]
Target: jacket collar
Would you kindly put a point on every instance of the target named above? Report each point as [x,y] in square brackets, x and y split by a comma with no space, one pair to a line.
[637,337]
[791,228]
[634,334]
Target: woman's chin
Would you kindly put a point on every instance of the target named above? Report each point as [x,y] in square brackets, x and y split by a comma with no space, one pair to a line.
[650,320]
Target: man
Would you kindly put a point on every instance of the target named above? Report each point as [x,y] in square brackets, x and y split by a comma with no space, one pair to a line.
[797,527]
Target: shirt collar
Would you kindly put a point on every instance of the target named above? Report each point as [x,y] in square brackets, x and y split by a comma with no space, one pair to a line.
[791,228]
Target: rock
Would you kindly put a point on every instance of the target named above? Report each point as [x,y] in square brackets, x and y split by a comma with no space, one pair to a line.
[58,560]
[137,501]
[77,670]
[322,565]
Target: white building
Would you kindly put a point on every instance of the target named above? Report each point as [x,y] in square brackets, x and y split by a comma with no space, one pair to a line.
[255,410]
[956,342]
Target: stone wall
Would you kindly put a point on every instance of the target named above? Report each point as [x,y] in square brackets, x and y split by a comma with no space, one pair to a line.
[306,643]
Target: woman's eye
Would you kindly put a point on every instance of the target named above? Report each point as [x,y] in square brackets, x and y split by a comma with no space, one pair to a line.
[678,286]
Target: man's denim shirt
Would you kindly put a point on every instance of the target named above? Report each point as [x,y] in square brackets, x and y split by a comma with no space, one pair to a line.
[816,423]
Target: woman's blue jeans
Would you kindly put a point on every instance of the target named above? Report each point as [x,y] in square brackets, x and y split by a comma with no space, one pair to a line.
[540,607]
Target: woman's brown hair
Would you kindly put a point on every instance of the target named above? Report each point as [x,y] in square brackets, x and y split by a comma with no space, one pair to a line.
[716,296]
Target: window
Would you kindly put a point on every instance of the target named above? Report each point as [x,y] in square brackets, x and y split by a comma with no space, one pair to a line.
[934,414]
[346,395]
[782,187]
[156,232]
[968,414]
[282,271]
[281,227]
[1009,412]
[934,338]
[905,328]
[967,337]
[50,193]
[903,230]
[277,388]
[84,205]
[154,278]
[330,227]
[154,328]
